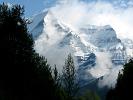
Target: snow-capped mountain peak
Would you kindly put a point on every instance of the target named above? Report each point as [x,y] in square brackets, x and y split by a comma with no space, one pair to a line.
[54,39]
[100,36]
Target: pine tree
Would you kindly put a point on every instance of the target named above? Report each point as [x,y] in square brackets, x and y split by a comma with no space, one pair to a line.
[89,95]
[124,86]
[69,77]
[24,75]
[16,51]
[60,93]
[43,84]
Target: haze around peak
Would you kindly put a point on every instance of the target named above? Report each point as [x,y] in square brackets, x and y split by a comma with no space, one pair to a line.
[78,13]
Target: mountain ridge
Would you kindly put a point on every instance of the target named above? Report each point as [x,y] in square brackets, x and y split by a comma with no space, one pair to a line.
[55,39]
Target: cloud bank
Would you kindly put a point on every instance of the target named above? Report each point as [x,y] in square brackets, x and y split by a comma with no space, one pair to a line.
[118,14]
[105,69]
[109,79]
[103,65]
[77,13]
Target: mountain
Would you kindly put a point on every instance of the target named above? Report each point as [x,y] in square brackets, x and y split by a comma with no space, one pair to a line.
[97,50]
[101,36]
[36,27]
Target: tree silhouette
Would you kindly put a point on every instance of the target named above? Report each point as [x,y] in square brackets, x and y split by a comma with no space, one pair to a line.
[70,82]
[124,86]
[24,75]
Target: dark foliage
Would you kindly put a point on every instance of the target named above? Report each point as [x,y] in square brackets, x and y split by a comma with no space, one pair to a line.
[69,79]
[24,75]
[124,86]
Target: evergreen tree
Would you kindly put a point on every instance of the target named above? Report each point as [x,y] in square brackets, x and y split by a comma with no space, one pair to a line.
[16,51]
[24,75]
[43,84]
[124,86]
[56,77]
[60,93]
[70,82]
[89,95]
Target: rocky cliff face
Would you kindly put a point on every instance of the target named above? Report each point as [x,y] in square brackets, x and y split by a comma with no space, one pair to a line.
[96,49]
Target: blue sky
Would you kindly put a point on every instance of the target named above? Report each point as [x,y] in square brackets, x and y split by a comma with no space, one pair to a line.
[32,6]
[35,6]
[117,13]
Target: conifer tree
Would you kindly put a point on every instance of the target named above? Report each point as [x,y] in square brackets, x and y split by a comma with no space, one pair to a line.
[70,82]
[124,86]
[24,75]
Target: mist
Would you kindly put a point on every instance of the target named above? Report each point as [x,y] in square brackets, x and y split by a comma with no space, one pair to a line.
[105,69]
[76,14]
[109,79]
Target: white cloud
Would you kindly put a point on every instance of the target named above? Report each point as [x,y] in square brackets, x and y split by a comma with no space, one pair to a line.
[105,69]
[110,79]
[103,65]
[76,14]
